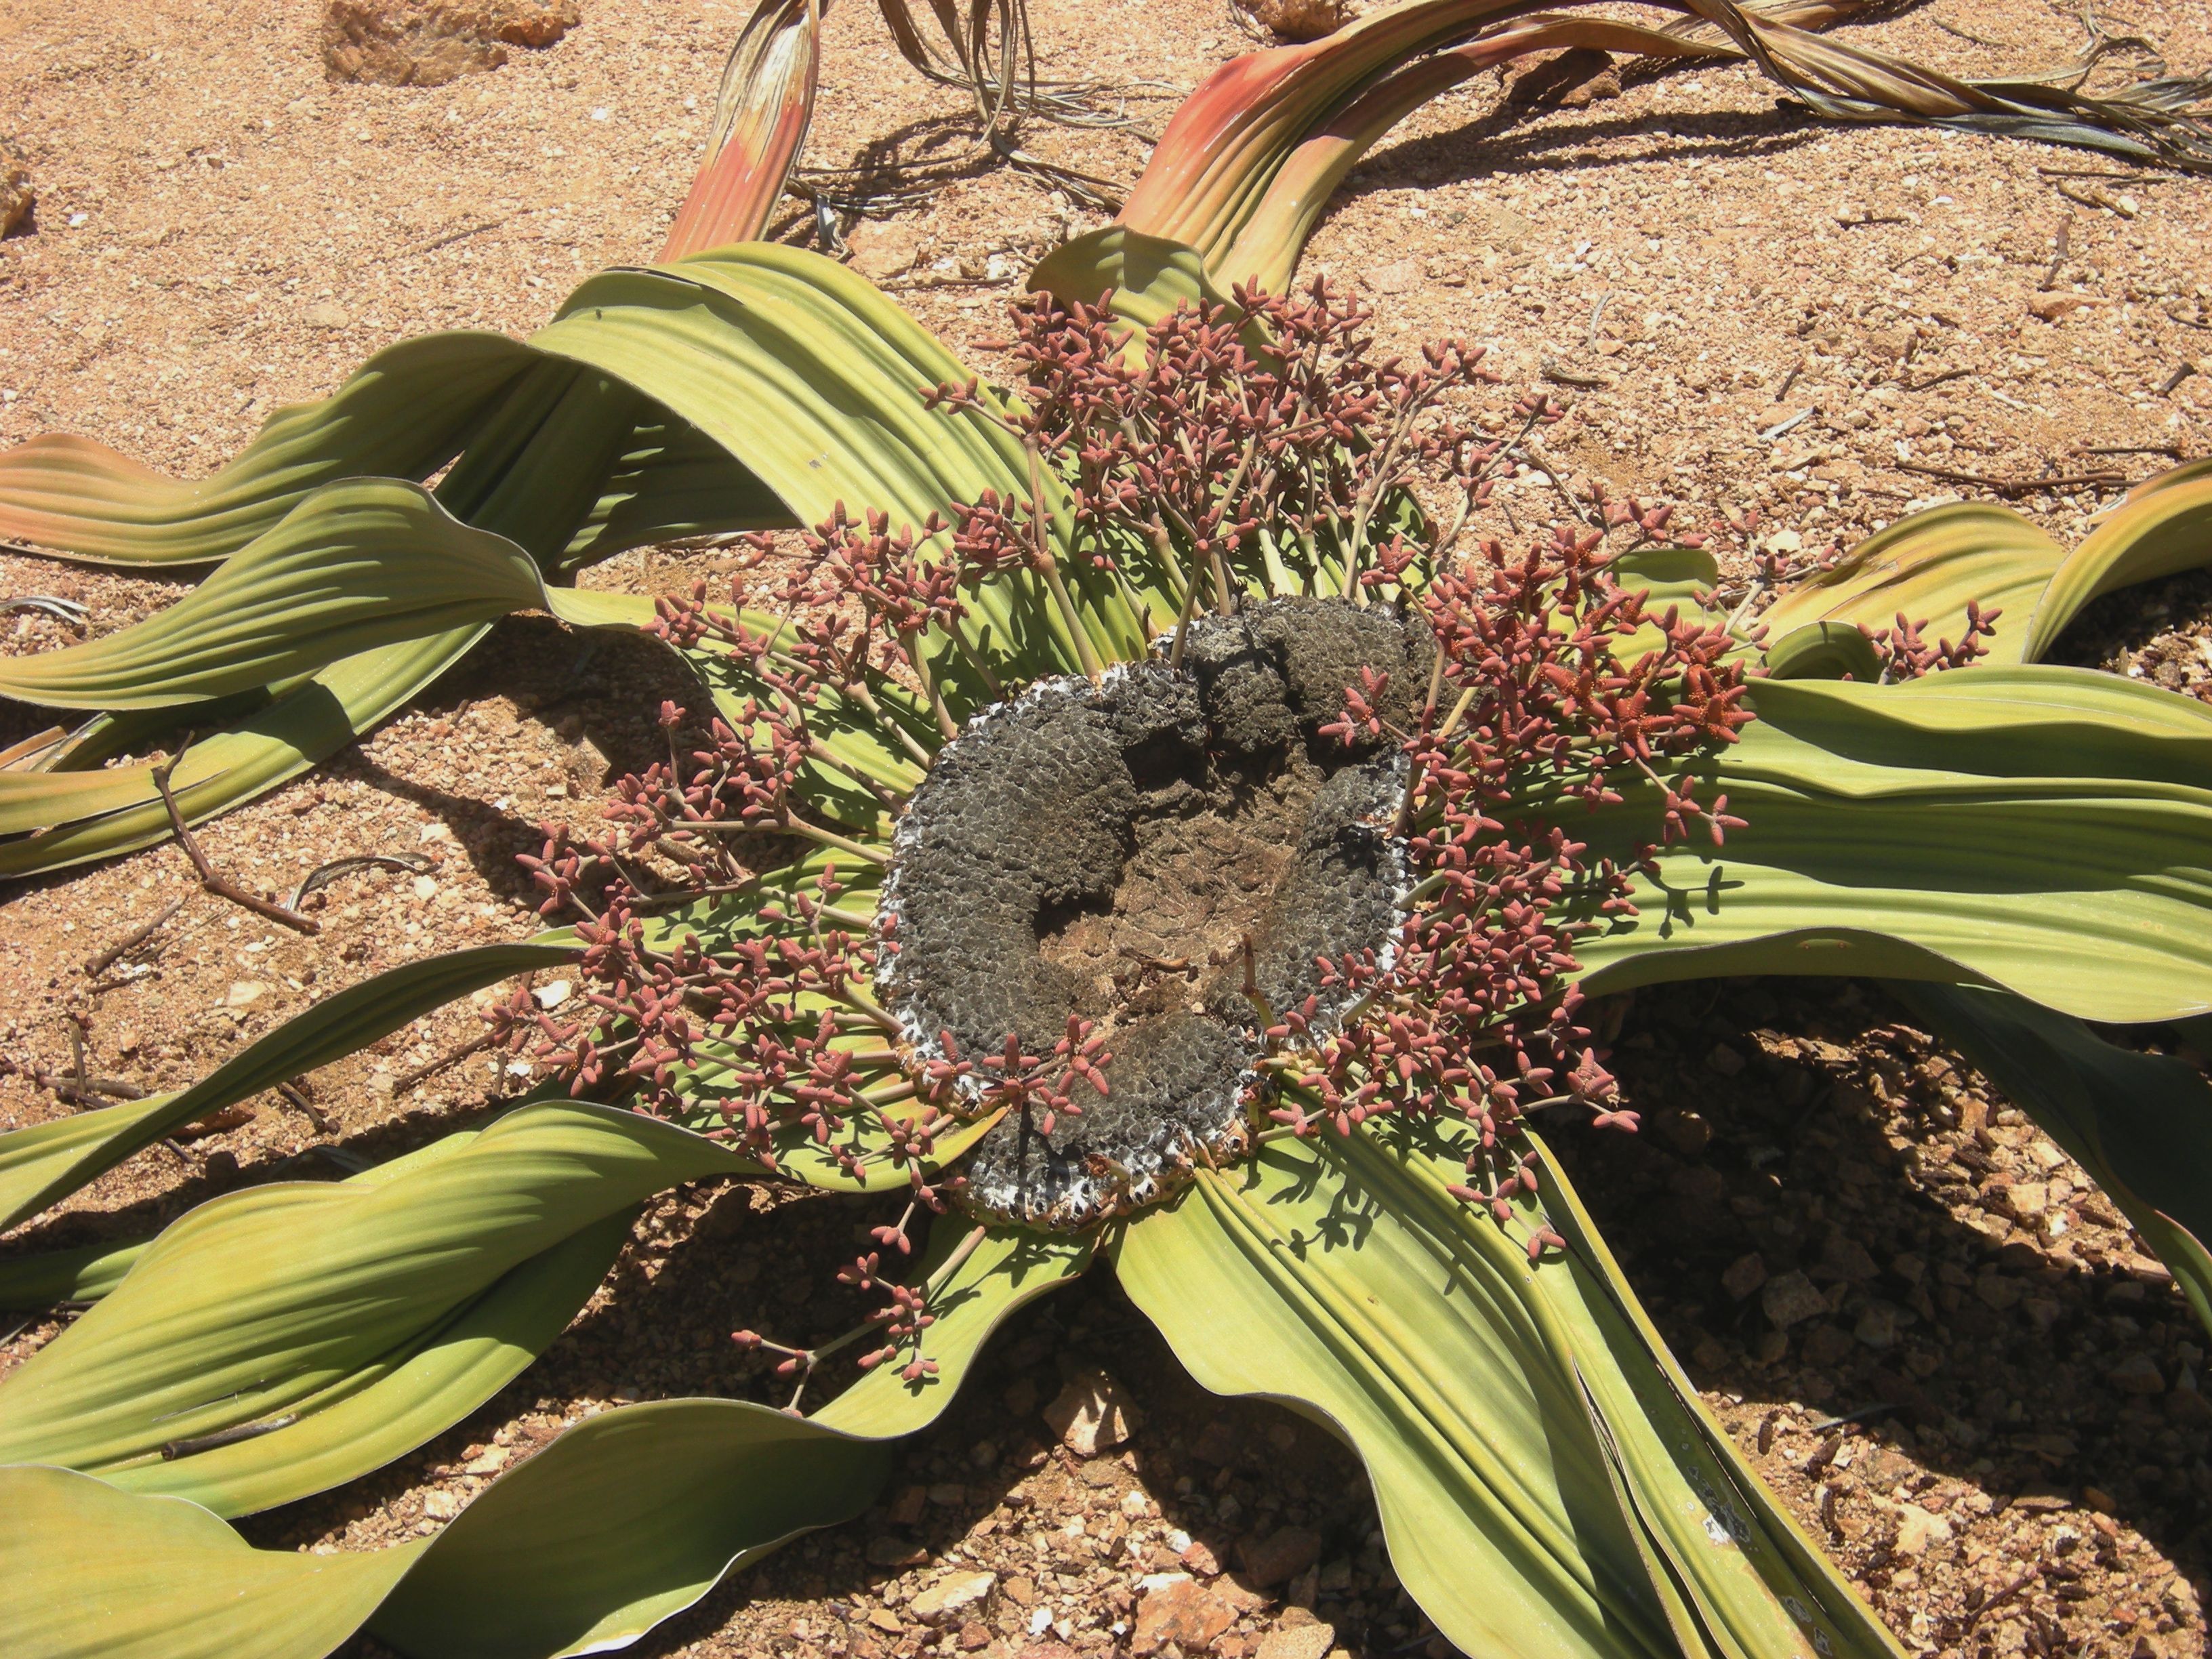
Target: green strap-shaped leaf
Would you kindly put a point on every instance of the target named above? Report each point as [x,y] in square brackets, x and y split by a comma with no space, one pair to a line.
[1544,1486]
[1824,651]
[356,565]
[641,475]
[814,380]
[2164,527]
[2046,829]
[93,1271]
[1927,566]
[624,1525]
[1679,580]
[672,482]
[41,1163]
[806,380]
[84,1274]
[1148,277]
[1926,569]
[387,1407]
[403,414]
[66,818]
[93,1573]
[1688,1485]
[371,1315]
[1683,576]
[856,737]
[2140,1124]
[800,369]
[624,1520]
[1007,1267]
[279,1341]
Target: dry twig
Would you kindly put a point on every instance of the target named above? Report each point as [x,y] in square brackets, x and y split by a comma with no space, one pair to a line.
[95,966]
[2014,486]
[212,880]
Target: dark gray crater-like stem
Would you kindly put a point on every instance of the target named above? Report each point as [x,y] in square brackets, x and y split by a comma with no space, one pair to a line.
[1109,852]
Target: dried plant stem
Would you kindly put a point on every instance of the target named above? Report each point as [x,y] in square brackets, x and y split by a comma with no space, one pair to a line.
[2014,486]
[114,953]
[452,1057]
[211,880]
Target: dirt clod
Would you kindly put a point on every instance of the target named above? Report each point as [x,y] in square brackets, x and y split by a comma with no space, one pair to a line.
[1298,20]
[16,193]
[426,43]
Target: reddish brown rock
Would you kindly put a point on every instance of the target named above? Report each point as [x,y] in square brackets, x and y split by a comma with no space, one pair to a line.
[426,43]
[1175,1608]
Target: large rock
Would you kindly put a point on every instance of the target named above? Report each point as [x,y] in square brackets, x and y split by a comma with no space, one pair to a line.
[426,43]
[16,193]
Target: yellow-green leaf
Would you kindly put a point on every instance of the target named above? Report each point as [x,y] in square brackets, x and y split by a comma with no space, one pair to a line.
[90,1573]
[2046,829]
[356,565]
[1546,1488]
[40,1164]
